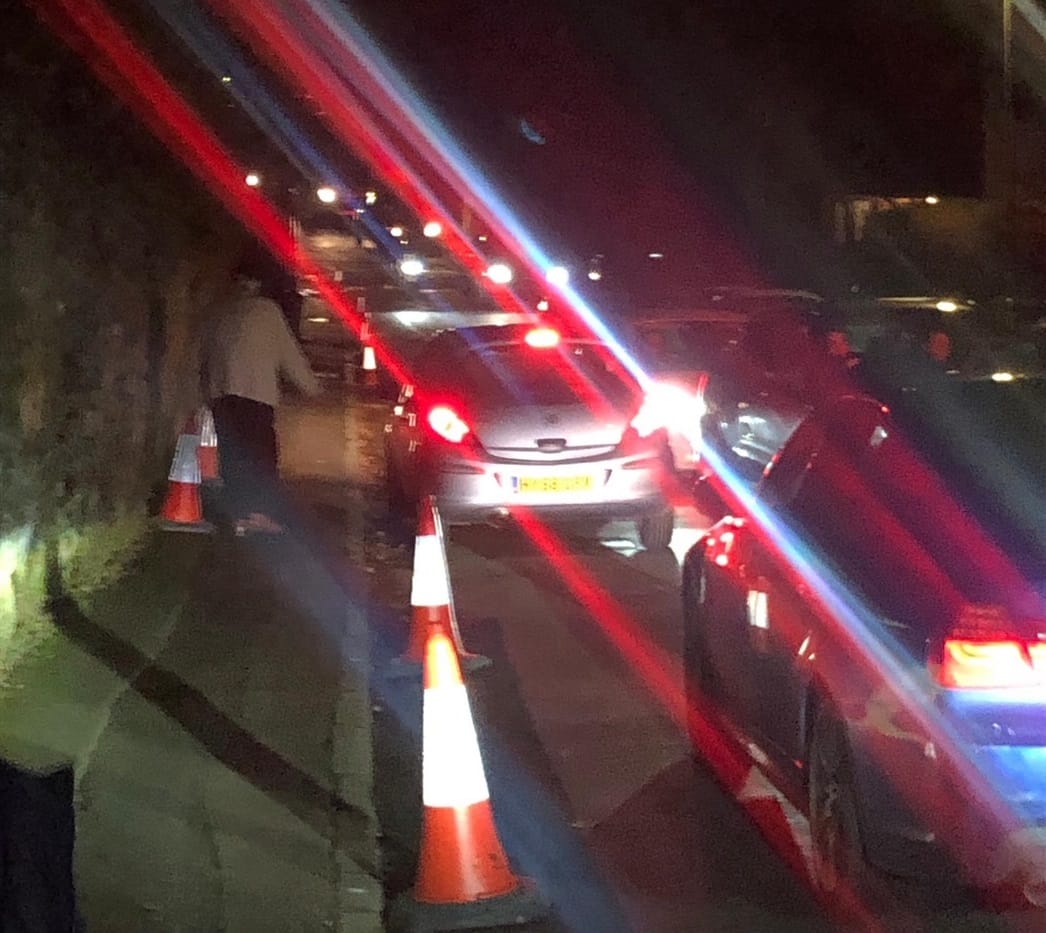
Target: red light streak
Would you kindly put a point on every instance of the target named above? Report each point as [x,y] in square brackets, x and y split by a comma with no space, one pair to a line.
[92,32]
[279,40]
[656,670]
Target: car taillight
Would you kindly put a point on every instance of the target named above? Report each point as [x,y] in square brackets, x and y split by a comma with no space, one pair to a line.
[721,542]
[447,424]
[542,338]
[969,664]
[985,652]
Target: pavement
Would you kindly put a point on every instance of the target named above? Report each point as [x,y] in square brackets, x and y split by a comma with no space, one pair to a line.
[215,705]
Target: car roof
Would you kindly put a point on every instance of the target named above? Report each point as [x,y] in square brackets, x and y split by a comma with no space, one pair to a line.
[502,335]
[692,316]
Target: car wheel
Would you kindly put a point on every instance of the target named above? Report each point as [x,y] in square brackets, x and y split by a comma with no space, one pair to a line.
[838,867]
[655,531]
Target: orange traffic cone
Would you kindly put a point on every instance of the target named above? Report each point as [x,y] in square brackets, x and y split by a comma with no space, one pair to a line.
[464,880]
[430,596]
[210,468]
[370,367]
[182,509]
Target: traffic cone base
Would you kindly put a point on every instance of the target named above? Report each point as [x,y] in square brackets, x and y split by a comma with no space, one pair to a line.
[518,907]
[182,511]
[481,868]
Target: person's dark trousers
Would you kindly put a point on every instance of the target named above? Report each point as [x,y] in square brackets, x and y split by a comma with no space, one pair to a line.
[249,455]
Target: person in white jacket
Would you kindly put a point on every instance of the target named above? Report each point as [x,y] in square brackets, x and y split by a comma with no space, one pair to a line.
[248,352]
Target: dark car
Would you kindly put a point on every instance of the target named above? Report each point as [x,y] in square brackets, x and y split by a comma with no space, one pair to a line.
[740,350]
[873,620]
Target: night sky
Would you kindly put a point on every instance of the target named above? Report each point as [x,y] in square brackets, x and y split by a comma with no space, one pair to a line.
[712,131]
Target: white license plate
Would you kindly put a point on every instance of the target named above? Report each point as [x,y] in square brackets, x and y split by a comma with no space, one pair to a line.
[561,485]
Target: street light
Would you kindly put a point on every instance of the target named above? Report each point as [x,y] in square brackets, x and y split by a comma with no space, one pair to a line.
[396,231]
[252,180]
[433,229]
[370,197]
[327,194]
[499,273]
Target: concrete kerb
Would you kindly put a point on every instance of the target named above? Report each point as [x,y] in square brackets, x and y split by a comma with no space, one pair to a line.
[360,893]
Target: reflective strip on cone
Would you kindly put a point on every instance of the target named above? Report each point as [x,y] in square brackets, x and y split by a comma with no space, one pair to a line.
[210,468]
[452,769]
[185,467]
[429,585]
[208,434]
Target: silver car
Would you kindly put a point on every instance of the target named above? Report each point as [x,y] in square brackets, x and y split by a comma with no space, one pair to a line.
[524,416]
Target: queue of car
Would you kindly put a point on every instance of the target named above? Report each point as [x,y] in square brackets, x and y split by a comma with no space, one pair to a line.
[869,608]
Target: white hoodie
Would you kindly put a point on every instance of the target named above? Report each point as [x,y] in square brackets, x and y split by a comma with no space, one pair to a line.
[249,349]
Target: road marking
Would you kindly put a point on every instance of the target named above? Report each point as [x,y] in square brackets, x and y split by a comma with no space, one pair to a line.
[777,818]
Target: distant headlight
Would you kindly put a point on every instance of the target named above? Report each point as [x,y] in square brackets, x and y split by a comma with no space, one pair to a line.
[673,408]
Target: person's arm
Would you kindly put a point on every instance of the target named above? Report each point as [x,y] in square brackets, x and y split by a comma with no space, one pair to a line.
[293,363]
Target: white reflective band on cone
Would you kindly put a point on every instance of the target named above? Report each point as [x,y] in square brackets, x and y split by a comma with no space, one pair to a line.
[370,361]
[186,466]
[429,586]
[208,436]
[452,770]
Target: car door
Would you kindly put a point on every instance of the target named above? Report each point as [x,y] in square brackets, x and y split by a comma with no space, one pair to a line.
[828,520]
[742,633]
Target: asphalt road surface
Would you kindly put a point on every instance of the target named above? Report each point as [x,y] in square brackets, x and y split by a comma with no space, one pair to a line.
[597,795]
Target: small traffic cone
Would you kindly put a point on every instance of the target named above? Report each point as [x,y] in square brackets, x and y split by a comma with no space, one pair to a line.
[370,367]
[430,595]
[210,466]
[464,880]
[182,509]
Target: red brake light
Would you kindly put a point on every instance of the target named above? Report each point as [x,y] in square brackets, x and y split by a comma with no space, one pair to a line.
[983,664]
[720,545]
[985,652]
[543,338]
[447,424]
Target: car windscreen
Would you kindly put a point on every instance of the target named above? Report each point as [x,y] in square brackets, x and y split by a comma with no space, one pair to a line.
[516,375]
[688,344]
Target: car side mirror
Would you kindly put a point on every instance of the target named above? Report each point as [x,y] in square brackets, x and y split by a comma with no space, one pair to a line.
[707,500]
